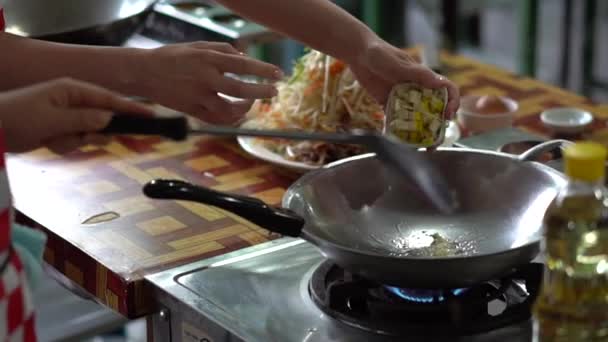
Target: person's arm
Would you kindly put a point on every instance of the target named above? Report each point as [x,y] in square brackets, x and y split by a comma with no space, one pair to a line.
[27,61]
[326,27]
[185,77]
[61,114]
[319,24]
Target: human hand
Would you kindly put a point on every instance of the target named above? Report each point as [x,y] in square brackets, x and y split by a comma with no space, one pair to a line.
[188,78]
[381,66]
[61,114]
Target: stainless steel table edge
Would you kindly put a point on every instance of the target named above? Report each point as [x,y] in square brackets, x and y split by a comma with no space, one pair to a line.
[165,285]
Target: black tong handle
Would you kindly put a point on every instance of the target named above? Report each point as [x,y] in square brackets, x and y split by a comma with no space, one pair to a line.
[175,128]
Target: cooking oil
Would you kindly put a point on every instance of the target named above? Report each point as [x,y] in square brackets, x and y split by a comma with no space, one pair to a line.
[573,301]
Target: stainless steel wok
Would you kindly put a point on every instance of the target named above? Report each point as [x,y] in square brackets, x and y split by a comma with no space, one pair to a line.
[372,223]
[99,22]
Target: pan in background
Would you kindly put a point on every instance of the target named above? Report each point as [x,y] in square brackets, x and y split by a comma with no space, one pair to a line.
[93,22]
[551,155]
[519,147]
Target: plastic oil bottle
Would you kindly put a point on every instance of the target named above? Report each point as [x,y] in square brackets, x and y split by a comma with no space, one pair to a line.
[573,301]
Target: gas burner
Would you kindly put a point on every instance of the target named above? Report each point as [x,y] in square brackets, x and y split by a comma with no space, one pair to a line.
[424,296]
[390,310]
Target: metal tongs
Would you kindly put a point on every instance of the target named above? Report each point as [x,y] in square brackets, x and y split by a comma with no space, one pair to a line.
[403,158]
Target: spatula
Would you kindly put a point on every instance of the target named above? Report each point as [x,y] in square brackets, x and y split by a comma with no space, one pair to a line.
[402,158]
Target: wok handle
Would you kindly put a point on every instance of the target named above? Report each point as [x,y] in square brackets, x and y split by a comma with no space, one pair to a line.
[540,149]
[175,128]
[278,220]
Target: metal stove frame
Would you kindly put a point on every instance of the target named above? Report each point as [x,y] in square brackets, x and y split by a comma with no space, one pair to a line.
[203,302]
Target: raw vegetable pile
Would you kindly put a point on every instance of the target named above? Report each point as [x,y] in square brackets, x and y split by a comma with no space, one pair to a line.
[322,95]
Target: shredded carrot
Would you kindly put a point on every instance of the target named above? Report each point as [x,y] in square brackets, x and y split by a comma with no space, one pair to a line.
[313,86]
[265,107]
[378,115]
[281,124]
[336,67]
[314,75]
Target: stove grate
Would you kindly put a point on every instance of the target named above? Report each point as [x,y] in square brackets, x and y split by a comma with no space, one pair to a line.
[389,310]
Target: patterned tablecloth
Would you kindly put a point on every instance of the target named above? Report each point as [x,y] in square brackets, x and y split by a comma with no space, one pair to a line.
[109,259]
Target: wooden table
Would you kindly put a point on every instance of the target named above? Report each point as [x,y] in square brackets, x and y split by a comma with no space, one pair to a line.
[109,259]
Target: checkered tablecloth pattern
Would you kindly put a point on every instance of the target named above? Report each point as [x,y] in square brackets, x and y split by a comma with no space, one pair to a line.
[137,235]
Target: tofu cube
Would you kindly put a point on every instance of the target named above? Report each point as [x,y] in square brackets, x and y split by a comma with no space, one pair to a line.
[403,125]
[435,125]
[399,105]
[407,115]
[415,97]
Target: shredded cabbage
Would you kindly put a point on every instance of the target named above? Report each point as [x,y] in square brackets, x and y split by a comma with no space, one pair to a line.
[322,95]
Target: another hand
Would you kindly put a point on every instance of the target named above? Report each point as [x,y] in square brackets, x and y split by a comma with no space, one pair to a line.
[381,66]
[61,114]
[188,78]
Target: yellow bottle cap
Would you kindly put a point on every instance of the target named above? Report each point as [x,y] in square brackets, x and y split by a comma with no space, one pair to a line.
[585,161]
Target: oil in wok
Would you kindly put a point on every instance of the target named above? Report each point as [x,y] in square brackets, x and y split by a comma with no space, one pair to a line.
[573,301]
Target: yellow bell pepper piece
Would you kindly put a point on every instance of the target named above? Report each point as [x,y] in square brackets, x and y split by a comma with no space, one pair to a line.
[414,136]
[401,134]
[425,107]
[427,141]
[437,105]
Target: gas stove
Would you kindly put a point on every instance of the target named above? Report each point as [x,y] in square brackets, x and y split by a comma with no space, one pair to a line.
[285,290]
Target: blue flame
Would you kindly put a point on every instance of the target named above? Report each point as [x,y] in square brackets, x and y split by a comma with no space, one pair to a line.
[422,296]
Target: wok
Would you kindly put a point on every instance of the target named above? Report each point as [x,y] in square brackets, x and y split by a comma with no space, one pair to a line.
[93,22]
[552,158]
[370,222]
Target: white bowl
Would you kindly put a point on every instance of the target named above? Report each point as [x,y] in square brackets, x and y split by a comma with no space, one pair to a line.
[566,120]
[479,123]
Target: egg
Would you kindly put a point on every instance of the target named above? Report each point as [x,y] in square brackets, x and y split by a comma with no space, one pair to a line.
[491,105]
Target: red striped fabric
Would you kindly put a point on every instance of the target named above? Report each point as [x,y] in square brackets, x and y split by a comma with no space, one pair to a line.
[2,23]
[2,149]
[5,213]
[17,321]
[4,229]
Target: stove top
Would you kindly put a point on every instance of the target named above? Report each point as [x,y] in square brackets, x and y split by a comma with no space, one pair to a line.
[285,290]
[389,310]
[177,21]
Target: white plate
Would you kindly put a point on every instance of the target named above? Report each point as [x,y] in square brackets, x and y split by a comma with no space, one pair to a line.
[257,149]
[566,120]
